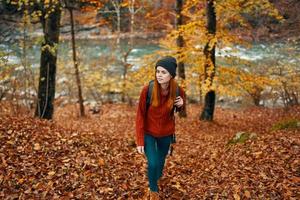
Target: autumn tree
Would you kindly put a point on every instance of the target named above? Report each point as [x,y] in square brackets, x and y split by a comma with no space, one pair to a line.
[7,27]
[50,19]
[133,7]
[48,14]
[211,23]
[249,80]
[180,45]
[210,61]
[285,71]
[70,6]
[17,77]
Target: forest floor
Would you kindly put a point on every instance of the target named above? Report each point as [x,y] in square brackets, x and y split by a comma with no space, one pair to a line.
[95,157]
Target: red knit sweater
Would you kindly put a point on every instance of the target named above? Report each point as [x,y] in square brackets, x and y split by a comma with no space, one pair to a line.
[158,121]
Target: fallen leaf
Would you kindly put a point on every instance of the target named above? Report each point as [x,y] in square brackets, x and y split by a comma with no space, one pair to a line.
[236,197]
[247,194]
[101,162]
[37,147]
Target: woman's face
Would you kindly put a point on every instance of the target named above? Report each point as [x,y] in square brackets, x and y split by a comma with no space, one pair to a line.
[162,75]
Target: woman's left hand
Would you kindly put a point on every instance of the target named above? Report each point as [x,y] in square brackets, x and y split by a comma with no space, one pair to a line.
[178,102]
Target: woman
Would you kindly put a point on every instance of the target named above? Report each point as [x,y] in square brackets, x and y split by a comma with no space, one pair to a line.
[155,123]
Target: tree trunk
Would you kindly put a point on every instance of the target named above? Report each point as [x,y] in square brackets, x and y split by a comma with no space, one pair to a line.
[46,90]
[256,95]
[118,26]
[256,100]
[29,79]
[80,99]
[24,62]
[117,7]
[200,91]
[295,98]
[124,92]
[132,21]
[180,44]
[209,68]
[126,66]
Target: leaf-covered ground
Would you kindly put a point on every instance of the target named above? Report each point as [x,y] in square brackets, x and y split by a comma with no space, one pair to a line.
[95,157]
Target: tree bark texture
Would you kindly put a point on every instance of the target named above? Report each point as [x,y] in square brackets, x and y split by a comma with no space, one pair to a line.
[46,89]
[78,82]
[180,44]
[209,52]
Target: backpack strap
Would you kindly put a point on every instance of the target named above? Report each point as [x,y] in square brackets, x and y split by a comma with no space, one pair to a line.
[177,91]
[149,94]
[175,110]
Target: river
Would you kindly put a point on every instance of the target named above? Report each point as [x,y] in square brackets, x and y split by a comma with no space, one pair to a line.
[91,51]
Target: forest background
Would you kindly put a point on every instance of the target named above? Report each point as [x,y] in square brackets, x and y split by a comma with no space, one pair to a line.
[81,65]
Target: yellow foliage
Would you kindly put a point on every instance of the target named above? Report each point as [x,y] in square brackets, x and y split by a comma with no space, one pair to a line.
[36,8]
[196,36]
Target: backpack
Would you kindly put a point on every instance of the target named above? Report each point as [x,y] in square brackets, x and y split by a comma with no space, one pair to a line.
[148,102]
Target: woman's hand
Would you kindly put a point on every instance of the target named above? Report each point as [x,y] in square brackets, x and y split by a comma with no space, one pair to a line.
[178,102]
[140,149]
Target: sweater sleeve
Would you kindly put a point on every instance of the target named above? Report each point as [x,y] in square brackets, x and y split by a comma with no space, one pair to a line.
[140,117]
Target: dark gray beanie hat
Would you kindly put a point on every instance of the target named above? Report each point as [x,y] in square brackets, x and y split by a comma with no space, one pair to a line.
[169,63]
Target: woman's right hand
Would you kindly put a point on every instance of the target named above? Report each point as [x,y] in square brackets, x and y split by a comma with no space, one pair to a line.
[140,149]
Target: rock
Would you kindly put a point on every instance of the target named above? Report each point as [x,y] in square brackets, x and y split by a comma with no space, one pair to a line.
[253,136]
[242,137]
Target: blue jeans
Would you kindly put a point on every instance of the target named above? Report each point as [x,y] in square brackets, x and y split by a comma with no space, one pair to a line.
[156,150]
